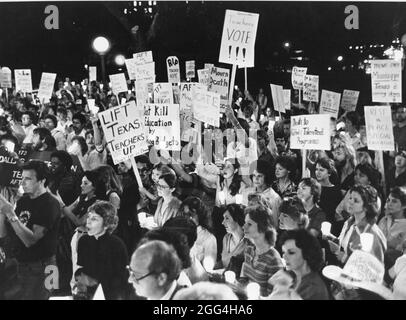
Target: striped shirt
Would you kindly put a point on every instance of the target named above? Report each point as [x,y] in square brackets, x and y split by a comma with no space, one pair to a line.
[259,269]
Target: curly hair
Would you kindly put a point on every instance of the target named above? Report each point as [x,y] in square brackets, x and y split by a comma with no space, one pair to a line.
[236,212]
[293,207]
[310,246]
[108,212]
[369,197]
[315,188]
[260,216]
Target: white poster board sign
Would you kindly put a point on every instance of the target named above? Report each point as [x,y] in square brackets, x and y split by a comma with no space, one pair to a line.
[238,38]
[311,88]
[172,65]
[378,122]
[330,103]
[143,57]
[386,80]
[186,95]
[286,98]
[92,73]
[277,97]
[46,86]
[124,130]
[190,69]
[208,66]
[164,126]
[23,80]
[204,76]
[206,106]
[5,78]
[298,74]
[219,83]
[349,100]
[163,93]
[142,90]
[131,68]
[145,72]
[310,132]
[118,83]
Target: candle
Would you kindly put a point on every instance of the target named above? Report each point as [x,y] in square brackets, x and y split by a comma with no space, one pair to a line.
[208,264]
[325,228]
[142,216]
[222,197]
[229,276]
[367,239]
[253,291]
[238,198]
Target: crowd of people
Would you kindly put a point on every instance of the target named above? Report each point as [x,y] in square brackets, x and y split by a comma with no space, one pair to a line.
[201,230]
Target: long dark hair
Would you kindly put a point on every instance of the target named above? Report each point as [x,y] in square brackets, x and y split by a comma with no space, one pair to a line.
[236,181]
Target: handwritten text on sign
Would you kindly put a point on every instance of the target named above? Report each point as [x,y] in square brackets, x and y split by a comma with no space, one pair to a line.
[204,76]
[145,72]
[238,39]
[118,83]
[349,100]
[46,85]
[378,121]
[298,74]
[190,69]
[163,93]
[219,82]
[310,132]
[186,95]
[23,80]
[172,64]
[330,103]
[164,126]
[386,78]
[311,88]
[206,106]
[124,131]
[5,78]
[143,57]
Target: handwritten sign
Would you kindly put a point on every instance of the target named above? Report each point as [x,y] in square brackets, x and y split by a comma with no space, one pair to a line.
[131,68]
[143,57]
[124,130]
[46,86]
[378,121]
[298,74]
[185,100]
[92,73]
[118,83]
[172,65]
[145,72]
[238,38]
[208,66]
[286,98]
[219,83]
[163,93]
[386,79]
[206,106]
[277,97]
[143,92]
[190,69]
[5,78]
[23,80]
[164,126]
[204,77]
[310,132]
[329,103]
[349,100]
[311,88]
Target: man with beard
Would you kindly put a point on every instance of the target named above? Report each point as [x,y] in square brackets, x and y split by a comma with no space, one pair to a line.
[43,140]
[51,123]
[78,125]
[399,131]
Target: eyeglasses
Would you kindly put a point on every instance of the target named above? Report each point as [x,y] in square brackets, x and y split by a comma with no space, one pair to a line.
[133,275]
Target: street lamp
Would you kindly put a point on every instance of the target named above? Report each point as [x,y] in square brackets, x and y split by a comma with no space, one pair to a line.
[286,44]
[119,60]
[101,45]
[340,58]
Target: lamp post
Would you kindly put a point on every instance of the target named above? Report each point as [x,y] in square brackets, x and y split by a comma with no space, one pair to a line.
[101,45]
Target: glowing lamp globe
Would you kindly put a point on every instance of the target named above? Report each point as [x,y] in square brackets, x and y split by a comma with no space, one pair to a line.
[101,45]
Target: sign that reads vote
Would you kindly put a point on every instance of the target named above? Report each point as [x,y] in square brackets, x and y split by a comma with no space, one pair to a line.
[330,103]
[190,69]
[164,125]
[92,73]
[5,78]
[378,122]
[23,80]
[298,74]
[310,132]
[311,88]
[163,93]
[219,83]
[206,106]
[124,130]
[172,64]
[349,100]
[143,57]
[386,79]
[118,83]
[46,86]
[238,39]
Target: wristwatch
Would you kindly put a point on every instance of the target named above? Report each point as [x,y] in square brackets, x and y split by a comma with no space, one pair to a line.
[13,219]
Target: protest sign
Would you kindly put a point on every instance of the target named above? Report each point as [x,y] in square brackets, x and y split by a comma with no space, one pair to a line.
[124,130]
[145,72]
[131,68]
[349,100]
[5,78]
[118,83]
[23,80]
[238,38]
[330,103]
[219,83]
[208,66]
[379,129]
[143,57]
[310,132]
[298,74]
[92,73]
[143,92]
[176,93]
[163,93]
[311,88]
[190,69]
[185,100]
[386,80]
[286,98]
[172,64]
[206,106]
[46,86]
[204,76]
[164,126]
[277,97]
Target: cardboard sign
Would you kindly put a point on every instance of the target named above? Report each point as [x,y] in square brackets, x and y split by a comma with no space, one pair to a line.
[124,130]
[310,132]
[286,98]
[164,126]
[118,83]
[163,93]
[386,80]
[5,78]
[131,68]
[190,69]
[277,98]
[298,74]
[349,100]
[172,65]
[23,80]
[46,86]
[378,121]
[187,132]
[206,106]
[92,73]
[145,72]
[204,77]
[219,83]
[143,57]
[238,39]
[311,88]
[330,103]
[185,100]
